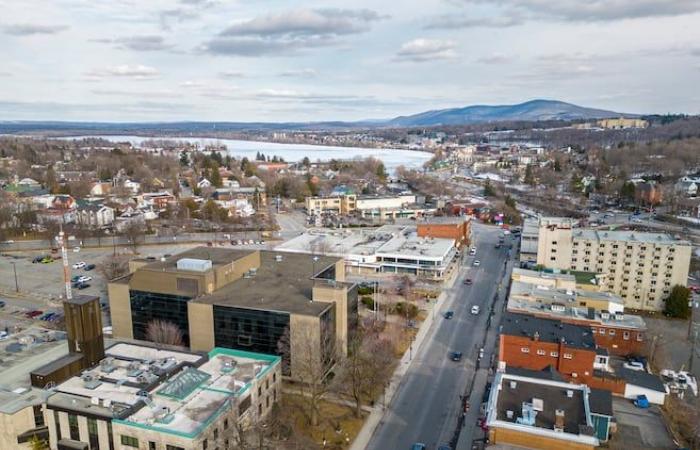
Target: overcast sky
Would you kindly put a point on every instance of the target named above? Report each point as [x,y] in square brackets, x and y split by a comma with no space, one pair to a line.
[271,60]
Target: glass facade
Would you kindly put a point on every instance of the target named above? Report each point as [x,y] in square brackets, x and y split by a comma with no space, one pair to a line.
[249,329]
[147,306]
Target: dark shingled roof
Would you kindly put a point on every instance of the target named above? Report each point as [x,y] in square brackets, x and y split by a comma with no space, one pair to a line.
[548,373]
[600,402]
[642,378]
[548,330]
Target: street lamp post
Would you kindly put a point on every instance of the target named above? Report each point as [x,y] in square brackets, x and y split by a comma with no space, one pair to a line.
[14,268]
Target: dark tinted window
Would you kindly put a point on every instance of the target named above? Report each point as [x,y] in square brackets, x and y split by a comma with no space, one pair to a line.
[147,306]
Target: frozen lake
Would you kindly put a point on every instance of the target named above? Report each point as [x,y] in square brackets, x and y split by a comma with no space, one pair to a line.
[391,158]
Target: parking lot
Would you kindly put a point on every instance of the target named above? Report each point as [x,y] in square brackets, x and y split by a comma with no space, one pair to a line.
[639,428]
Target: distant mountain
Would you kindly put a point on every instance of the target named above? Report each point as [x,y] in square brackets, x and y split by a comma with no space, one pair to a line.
[533,110]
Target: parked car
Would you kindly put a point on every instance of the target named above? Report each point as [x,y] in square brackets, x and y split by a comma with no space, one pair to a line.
[46,260]
[456,356]
[449,314]
[468,281]
[476,309]
[641,401]
[2,303]
[498,246]
[4,335]
[74,278]
[76,249]
[90,267]
[477,263]
[84,279]
[418,446]
[634,365]
[37,259]
[79,265]
[82,286]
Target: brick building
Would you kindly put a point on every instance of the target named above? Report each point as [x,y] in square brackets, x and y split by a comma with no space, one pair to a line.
[457,228]
[534,343]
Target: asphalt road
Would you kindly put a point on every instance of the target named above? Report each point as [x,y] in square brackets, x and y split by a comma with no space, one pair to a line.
[427,405]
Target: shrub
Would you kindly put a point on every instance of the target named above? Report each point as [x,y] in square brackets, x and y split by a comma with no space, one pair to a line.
[365,290]
[368,302]
[406,309]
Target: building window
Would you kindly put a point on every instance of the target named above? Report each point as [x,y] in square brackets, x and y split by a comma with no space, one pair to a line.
[225,424]
[626,335]
[611,332]
[129,441]
[553,258]
[639,337]
[267,401]
[244,405]
[574,374]
[216,433]
[38,416]
[259,409]
[173,447]
[205,444]
[525,349]
[151,445]
[541,352]
[602,331]
[554,354]
[73,427]
[568,356]
[259,391]
[93,435]
[148,306]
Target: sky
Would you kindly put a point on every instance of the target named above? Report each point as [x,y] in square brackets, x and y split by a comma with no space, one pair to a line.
[305,60]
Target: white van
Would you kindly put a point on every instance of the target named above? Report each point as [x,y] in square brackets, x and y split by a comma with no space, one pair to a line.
[475,309]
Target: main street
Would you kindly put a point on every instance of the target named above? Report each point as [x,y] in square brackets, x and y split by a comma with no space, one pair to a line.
[427,404]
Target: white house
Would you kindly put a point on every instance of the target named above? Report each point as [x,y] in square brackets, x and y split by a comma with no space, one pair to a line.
[133,186]
[204,184]
[95,216]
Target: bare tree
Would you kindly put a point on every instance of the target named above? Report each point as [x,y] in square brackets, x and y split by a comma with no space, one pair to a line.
[164,332]
[114,267]
[135,232]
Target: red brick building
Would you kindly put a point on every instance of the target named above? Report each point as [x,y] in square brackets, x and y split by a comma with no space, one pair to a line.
[534,343]
[457,228]
[620,334]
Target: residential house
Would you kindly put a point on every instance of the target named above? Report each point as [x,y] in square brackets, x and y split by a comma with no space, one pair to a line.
[95,215]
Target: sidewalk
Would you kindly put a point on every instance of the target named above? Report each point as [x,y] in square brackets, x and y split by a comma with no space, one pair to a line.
[374,419]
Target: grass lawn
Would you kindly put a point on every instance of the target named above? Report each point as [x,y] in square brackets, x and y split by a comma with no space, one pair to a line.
[337,423]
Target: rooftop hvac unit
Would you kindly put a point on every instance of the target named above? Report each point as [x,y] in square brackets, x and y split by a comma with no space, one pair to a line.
[194,265]
[228,366]
[278,258]
[537,404]
[513,384]
[90,381]
[163,366]
[509,414]
[569,393]
[107,365]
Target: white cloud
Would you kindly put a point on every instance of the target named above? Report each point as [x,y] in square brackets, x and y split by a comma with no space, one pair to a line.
[289,32]
[495,58]
[598,10]
[28,29]
[138,71]
[425,50]
[453,22]
[299,73]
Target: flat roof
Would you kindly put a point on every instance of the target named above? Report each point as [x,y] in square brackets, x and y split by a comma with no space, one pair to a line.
[282,286]
[576,313]
[549,294]
[163,389]
[15,400]
[407,243]
[217,255]
[548,330]
[628,236]
[513,391]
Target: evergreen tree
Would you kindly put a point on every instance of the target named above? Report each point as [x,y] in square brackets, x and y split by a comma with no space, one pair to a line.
[184,159]
[215,176]
[677,303]
[529,177]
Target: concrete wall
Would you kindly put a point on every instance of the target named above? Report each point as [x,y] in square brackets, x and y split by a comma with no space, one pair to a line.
[231,272]
[166,282]
[12,425]
[201,320]
[120,310]
[554,247]
[305,344]
[339,296]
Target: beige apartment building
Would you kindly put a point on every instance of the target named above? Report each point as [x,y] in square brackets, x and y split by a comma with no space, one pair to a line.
[365,205]
[641,268]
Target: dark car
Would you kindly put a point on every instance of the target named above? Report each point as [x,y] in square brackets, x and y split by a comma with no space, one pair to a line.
[444,447]
[89,267]
[82,286]
[449,314]
[498,246]
[37,259]
[76,283]
[2,303]
[418,446]
[456,356]
[468,281]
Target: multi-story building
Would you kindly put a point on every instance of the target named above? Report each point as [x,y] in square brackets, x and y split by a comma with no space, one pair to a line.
[143,397]
[389,249]
[380,206]
[548,414]
[642,268]
[457,228]
[620,334]
[294,305]
[534,343]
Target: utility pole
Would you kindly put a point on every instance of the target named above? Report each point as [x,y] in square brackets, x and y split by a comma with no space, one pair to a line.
[14,268]
[66,268]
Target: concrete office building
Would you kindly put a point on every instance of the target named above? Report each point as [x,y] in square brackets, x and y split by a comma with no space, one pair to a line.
[21,417]
[292,305]
[389,249]
[376,206]
[145,398]
[642,268]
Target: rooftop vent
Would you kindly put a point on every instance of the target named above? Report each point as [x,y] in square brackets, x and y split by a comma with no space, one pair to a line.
[194,265]
[513,384]
[528,415]
[107,365]
[569,393]
[509,414]
[228,366]
[90,381]
[537,404]
[605,315]
[278,258]
[162,414]
[619,316]
[163,366]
